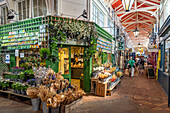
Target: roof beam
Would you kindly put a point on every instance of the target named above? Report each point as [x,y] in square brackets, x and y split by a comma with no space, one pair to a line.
[146,16]
[138,22]
[113,2]
[140,4]
[127,17]
[139,9]
[150,3]
[118,7]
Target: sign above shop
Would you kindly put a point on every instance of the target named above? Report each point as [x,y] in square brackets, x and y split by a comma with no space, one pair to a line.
[120,43]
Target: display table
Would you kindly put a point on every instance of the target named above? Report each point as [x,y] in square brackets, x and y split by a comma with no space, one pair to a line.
[76,72]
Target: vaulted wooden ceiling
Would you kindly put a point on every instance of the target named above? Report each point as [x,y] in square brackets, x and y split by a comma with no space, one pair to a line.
[142,15]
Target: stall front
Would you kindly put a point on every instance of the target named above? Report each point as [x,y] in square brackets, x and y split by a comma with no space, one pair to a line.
[72,44]
[164,51]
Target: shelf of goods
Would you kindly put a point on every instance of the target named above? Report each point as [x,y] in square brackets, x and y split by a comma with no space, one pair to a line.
[23,34]
[105,80]
[9,92]
[104,44]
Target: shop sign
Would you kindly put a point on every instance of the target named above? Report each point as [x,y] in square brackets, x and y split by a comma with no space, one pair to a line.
[121,45]
[7,59]
[16,52]
[21,55]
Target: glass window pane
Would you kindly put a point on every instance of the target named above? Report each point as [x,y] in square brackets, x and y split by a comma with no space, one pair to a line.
[23,5]
[40,11]
[24,14]
[35,12]
[27,13]
[34,3]
[64,60]
[40,3]
[19,6]
[20,17]
[28,2]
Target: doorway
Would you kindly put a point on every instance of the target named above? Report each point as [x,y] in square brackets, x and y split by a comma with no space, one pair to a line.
[71,64]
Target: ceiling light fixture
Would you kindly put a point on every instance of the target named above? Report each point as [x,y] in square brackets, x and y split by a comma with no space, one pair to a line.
[127,4]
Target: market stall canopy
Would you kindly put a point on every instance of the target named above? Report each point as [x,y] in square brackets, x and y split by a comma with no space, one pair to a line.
[142,15]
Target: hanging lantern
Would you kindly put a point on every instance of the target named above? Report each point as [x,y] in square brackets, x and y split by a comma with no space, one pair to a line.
[136,32]
[127,4]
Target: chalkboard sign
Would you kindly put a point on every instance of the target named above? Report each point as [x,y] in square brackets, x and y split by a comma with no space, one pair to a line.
[151,73]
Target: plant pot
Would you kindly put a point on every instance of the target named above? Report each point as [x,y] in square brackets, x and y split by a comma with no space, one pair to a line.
[19,92]
[15,91]
[62,108]
[44,107]
[4,88]
[54,110]
[38,81]
[23,92]
[35,104]
[21,80]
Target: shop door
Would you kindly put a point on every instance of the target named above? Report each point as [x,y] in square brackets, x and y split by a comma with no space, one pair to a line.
[64,55]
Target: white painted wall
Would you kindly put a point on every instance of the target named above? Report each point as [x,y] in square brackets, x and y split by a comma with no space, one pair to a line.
[71,8]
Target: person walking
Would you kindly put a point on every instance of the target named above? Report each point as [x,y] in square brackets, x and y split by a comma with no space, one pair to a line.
[131,66]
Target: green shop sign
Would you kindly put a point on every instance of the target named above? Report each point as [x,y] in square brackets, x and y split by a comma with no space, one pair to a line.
[120,43]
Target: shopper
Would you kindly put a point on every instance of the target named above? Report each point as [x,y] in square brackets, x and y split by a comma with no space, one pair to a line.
[142,66]
[131,66]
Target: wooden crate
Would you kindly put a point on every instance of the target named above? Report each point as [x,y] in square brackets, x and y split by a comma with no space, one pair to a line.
[94,82]
[67,108]
[101,89]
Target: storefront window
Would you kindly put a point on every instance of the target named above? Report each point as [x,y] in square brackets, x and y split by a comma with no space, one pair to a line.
[23,9]
[64,60]
[167,55]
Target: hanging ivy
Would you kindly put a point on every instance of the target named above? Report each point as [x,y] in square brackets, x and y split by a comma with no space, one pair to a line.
[75,30]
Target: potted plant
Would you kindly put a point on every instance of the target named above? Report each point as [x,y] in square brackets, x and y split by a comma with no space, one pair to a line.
[23,89]
[5,85]
[44,53]
[21,77]
[31,81]
[32,92]
[18,87]
[14,87]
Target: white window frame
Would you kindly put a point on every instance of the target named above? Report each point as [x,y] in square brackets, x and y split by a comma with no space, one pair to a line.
[101,19]
[38,15]
[4,19]
[26,9]
[94,13]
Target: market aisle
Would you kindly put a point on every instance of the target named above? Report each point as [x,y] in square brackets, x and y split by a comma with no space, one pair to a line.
[137,95]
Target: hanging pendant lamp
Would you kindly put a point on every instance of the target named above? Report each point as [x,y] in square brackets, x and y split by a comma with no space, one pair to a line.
[127,4]
[136,32]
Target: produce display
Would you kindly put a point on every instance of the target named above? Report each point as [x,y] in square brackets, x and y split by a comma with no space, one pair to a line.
[106,74]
